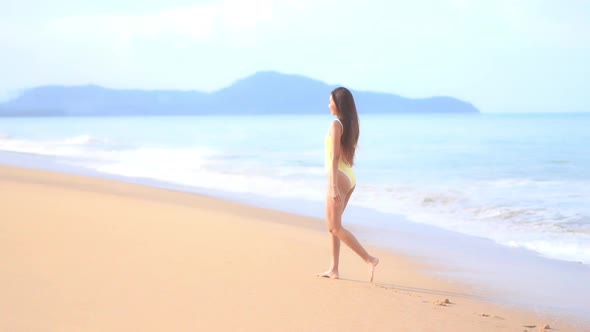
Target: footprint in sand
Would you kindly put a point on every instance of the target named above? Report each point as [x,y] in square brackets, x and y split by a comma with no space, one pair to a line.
[541,328]
[442,303]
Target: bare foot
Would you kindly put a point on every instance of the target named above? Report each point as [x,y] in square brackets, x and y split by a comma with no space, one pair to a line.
[329,274]
[372,264]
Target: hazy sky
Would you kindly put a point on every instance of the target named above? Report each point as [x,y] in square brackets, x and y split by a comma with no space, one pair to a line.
[501,55]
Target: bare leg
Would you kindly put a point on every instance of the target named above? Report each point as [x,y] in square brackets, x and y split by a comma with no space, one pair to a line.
[334,223]
[332,272]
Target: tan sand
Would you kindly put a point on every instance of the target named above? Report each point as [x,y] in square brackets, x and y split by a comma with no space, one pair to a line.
[85,254]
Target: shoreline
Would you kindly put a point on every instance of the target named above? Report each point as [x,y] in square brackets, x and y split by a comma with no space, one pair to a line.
[508,276]
[137,219]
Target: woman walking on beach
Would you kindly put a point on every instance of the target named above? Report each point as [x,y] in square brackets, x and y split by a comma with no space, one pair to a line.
[340,148]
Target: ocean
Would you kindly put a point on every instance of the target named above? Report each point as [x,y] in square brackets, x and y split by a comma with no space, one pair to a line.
[518,181]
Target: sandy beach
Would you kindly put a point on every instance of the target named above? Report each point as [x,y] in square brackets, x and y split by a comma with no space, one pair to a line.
[87,254]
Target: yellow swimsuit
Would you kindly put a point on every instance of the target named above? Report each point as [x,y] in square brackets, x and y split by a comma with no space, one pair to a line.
[343,166]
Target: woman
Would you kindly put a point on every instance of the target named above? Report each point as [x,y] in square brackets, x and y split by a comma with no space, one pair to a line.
[340,148]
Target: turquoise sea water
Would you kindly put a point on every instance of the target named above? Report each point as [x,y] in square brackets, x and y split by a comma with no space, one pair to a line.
[519,180]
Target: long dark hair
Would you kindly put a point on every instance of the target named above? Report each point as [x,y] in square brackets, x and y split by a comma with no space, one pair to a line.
[348,116]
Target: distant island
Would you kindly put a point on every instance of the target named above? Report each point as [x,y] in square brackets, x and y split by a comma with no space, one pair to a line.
[266,92]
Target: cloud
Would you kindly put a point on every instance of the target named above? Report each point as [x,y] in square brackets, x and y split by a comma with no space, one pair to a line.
[231,19]
[423,47]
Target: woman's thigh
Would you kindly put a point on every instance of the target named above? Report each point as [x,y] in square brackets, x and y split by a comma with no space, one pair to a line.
[333,210]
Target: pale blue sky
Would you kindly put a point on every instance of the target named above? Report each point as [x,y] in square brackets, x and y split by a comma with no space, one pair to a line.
[501,55]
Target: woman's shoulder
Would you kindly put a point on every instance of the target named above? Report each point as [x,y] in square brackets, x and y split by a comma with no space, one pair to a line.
[337,124]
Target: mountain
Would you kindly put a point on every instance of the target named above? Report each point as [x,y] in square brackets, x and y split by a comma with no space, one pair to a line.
[262,93]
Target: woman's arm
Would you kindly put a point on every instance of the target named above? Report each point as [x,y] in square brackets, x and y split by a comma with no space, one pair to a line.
[336,133]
